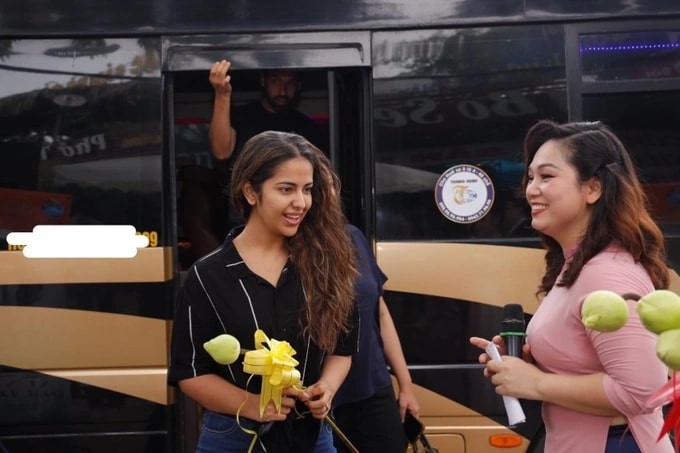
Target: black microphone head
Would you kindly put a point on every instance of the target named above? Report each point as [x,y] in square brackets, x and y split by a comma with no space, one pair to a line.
[513,318]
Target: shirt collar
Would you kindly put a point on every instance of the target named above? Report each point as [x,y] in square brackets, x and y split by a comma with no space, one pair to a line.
[237,268]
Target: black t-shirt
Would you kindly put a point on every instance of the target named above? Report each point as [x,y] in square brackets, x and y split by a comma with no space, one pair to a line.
[251,119]
[222,295]
[369,371]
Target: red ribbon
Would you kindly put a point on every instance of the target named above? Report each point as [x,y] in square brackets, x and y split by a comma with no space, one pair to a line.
[668,393]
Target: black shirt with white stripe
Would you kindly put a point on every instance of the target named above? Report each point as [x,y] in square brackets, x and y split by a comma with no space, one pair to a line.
[222,295]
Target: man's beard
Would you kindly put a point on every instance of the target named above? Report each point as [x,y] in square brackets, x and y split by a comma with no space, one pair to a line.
[280,107]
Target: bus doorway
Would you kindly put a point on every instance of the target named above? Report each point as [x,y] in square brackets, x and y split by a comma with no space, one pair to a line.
[335,93]
[336,97]
[333,98]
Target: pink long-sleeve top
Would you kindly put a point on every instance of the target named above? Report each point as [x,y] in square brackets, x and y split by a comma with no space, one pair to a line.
[561,344]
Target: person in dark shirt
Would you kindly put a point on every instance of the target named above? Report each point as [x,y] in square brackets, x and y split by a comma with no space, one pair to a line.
[230,126]
[365,409]
[289,272]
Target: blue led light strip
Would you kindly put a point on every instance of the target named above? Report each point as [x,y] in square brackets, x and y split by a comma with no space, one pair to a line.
[623,48]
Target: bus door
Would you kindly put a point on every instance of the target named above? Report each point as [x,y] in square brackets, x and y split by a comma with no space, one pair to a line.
[334,70]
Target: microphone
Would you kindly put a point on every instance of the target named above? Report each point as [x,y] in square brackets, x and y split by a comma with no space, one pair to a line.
[512,332]
[512,329]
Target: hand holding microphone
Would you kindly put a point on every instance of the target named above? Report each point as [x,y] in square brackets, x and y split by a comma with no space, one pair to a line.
[512,406]
[512,332]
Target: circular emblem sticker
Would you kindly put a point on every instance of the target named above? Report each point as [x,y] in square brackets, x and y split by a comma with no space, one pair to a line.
[464,194]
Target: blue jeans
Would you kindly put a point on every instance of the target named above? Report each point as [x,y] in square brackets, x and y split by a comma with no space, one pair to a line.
[324,444]
[620,440]
[221,434]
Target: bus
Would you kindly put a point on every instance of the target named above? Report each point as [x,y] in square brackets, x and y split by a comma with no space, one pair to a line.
[103,121]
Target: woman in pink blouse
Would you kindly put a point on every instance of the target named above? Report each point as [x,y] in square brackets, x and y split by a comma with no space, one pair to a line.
[591,212]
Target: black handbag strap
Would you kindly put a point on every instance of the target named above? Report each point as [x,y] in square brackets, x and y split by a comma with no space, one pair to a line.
[424,447]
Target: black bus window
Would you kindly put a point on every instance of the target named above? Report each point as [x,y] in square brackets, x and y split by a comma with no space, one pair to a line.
[80,131]
[647,123]
[460,97]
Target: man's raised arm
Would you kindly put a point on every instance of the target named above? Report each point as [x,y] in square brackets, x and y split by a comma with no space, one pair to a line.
[222,135]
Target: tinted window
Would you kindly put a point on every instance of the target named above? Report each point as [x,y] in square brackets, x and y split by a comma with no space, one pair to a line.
[80,138]
[454,97]
[648,124]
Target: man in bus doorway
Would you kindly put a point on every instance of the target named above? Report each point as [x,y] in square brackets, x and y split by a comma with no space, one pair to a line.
[204,207]
[231,127]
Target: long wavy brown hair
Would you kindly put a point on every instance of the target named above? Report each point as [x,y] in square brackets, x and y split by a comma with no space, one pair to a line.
[622,213]
[321,250]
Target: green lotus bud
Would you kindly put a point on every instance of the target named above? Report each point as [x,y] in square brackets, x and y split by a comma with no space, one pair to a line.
[668,348]
[604,311]
[660,311]
[224,349]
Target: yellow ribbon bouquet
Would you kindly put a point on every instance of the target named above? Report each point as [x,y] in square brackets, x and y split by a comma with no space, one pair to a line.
[273,360]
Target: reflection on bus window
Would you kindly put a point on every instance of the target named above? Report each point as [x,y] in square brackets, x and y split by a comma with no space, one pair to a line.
[451,97]
[80,133]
